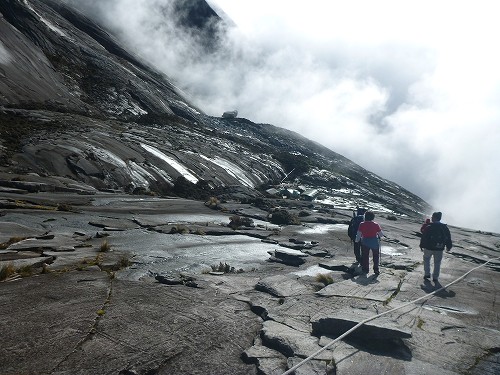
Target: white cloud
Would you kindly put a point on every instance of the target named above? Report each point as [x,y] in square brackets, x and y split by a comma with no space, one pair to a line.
[409,91]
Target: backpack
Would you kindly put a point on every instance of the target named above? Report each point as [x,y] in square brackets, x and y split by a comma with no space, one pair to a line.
[435,237]
[354,225]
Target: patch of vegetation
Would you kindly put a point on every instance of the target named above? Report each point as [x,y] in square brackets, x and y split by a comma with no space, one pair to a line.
[26,271]
[391,217]
[7,271]
[180,229]
[237,221]
[394,294]
[283,217]
[324,278]
[105,246]
[64,207]
[85,263]
[124,262]
[92,262]
[213,203]
[420,323]
[11,241]
[226,268]
[304,213]
[33,206]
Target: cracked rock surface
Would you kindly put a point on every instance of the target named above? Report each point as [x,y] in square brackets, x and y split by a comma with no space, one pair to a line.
[71,307]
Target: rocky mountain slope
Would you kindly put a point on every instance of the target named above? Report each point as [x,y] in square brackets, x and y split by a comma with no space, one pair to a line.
[75,104]
[107,266]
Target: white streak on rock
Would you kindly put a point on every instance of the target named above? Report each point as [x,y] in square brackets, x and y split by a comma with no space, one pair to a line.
[172,162]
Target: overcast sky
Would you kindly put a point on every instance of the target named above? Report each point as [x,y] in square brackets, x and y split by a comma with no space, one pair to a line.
[410,90]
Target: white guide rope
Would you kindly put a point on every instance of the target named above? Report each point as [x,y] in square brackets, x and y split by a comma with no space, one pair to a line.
[379,315]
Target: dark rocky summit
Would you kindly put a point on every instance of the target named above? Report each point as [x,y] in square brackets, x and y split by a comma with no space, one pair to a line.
[139,235]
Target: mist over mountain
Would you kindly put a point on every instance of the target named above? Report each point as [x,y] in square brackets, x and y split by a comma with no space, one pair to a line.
[363,79]
[81,111]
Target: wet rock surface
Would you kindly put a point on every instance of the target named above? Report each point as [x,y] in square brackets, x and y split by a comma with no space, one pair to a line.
[142,299]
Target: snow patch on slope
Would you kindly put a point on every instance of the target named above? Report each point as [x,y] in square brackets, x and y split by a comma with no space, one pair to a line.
[172,162]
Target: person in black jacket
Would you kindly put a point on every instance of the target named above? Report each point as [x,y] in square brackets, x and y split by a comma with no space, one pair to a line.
[352,230]
[434,240]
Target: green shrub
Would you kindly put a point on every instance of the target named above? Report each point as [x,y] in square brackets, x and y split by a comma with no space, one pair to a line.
[420,322]
[226,268]
[324,278]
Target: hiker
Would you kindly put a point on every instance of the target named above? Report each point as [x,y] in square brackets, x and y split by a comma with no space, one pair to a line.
[425,225]
[433,242]
[369,232]
[352,230]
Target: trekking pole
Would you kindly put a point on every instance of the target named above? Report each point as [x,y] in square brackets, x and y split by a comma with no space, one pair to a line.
[379,251]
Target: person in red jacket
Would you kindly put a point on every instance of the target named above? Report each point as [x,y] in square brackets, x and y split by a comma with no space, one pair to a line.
[369,232]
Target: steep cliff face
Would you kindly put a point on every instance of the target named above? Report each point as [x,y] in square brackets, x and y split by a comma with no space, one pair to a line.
[75,104]
[59,59]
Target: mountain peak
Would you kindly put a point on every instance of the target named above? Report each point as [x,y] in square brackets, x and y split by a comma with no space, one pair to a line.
[76,103]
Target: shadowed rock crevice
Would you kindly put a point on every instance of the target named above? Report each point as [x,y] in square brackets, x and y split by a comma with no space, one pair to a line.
[394,348]
[337,326]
